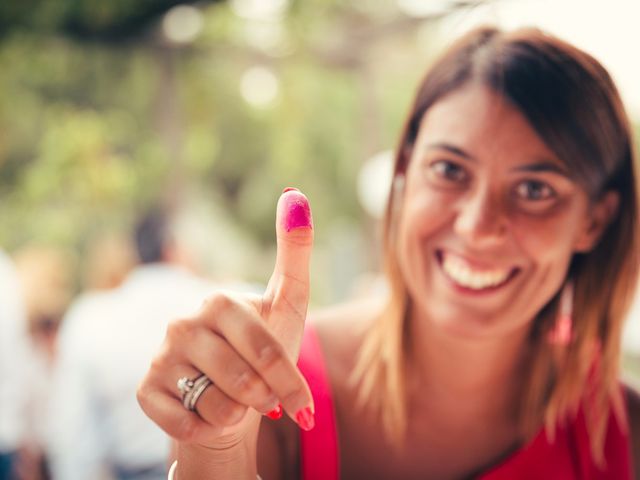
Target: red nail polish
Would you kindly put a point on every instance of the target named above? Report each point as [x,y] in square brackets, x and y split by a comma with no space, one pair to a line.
[276,413]
[305,419]
[288,189]
[298,213]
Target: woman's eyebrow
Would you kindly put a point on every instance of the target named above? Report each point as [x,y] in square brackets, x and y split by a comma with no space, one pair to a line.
[450,148]
[543,166]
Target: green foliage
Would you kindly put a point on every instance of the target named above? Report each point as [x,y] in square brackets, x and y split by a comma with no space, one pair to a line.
[93,132]
[112,22]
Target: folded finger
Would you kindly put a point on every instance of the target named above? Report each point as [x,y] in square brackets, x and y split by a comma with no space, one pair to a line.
[215,357]
[256,344]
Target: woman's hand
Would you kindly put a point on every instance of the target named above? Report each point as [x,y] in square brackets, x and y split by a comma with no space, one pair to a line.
[247,345]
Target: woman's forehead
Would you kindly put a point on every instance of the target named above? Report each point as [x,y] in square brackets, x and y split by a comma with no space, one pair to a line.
[479,121]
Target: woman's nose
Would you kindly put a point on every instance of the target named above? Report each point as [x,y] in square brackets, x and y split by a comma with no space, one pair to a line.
[481,219]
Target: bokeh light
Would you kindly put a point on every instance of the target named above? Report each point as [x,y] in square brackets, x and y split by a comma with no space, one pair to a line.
[182,24]
[259,87]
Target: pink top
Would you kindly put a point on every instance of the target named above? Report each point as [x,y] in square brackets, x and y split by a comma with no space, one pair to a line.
[567,458]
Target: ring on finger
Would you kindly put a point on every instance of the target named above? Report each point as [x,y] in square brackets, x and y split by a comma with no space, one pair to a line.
[192,389]
[185,384]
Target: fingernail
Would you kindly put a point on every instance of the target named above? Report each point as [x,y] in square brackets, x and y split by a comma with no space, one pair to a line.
[276,413]
[288,189]
[305,419]
[298,213]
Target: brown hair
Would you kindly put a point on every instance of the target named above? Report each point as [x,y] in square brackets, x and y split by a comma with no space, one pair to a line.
[572,103]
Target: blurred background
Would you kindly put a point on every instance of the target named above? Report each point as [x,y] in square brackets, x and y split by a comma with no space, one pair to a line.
[211,108]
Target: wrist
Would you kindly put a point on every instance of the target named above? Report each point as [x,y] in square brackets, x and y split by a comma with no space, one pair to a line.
[237,461]
[174,466]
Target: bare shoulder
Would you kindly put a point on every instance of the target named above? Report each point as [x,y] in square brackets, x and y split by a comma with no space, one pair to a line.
[341,329]
[633,407]
[332,323]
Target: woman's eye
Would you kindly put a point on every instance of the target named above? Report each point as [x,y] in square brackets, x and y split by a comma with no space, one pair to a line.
[449,171]
[534,190]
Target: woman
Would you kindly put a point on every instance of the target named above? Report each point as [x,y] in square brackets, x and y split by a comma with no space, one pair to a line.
[512,242]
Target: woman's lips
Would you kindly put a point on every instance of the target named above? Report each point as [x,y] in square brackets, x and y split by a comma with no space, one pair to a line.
[469,276]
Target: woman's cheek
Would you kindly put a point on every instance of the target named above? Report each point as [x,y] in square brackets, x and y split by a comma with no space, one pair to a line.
[543,233]
[436,205]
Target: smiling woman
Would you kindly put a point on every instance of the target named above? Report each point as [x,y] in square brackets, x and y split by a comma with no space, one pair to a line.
[496,354]
[499,222]
[515,167]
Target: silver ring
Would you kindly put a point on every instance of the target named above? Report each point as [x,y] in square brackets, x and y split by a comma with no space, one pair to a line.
[185,384]
[192,389]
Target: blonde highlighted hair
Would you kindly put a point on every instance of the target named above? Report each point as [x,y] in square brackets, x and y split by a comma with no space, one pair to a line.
[572,103]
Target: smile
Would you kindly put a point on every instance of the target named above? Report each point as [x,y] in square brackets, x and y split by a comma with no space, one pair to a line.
[468,276]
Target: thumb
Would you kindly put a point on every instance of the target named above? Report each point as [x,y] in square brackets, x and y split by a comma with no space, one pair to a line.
[287,294]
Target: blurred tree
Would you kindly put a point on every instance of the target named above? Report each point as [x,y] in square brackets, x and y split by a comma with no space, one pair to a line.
[113,21]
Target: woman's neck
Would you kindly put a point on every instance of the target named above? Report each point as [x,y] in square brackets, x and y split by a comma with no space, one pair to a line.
[461,378]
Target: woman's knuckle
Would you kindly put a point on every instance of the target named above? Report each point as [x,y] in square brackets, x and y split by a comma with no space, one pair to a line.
[218,302]
[142,394]
[159,363]
[178,329]
[269,356]
[246,384]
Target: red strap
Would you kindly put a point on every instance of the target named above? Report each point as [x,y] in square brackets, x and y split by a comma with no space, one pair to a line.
[318,447]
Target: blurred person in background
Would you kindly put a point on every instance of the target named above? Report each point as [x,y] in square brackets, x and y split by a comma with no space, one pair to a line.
[108,260]
[14,359]
[46,274]
[96,428]
[46,277]
[512,242]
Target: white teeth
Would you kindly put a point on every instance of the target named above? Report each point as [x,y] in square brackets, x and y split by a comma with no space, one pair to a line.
[465,275]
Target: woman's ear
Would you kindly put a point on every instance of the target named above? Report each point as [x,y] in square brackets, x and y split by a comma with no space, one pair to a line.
[601,213]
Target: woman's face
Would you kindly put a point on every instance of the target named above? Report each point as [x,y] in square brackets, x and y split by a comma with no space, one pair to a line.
[490,218]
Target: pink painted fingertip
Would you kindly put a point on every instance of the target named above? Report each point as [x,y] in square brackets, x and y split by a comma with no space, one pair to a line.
[298,213]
